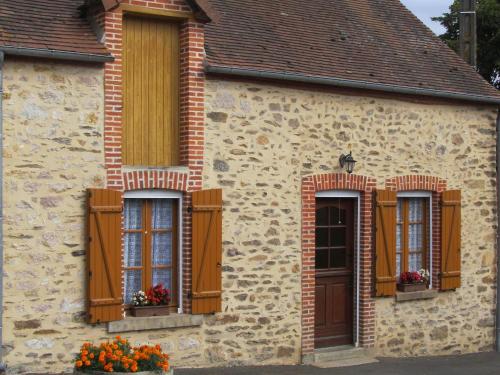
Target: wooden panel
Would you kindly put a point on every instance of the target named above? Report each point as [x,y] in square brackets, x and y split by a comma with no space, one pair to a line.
[151,67]
[450,239]
[104,263]
[385,243]
[207,251]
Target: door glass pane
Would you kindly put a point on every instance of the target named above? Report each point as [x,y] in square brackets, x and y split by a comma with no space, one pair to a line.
[322,216]
[162,249]
[338,236]
[321,237]
[133,214]
[162,213]
[133,250]
[322,259]
[337,216]
[132,284]
[338,258]
[164,277]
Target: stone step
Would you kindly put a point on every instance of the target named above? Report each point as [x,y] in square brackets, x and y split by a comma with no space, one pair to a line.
[342,356]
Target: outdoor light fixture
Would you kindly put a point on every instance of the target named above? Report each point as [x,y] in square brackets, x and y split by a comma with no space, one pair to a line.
[348,162]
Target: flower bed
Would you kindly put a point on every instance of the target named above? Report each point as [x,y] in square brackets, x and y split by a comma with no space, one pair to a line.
[119,356]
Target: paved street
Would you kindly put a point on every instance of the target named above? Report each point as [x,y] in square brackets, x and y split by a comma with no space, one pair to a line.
[481,364]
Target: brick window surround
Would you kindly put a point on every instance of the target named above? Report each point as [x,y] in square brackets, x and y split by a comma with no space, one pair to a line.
[192,116]
[436,186]
[337,181]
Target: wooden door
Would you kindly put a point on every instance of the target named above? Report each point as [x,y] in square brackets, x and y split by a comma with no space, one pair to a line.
[334,272]
[151,96]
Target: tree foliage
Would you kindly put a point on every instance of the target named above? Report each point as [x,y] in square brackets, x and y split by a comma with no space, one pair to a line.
[488,36]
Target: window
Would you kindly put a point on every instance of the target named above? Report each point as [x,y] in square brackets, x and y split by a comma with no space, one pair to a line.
[150,245]
[412,234]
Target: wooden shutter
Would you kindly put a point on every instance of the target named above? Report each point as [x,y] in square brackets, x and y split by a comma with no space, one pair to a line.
[385,243]
[104,259]
[151,97]
[207,251]
[450,239]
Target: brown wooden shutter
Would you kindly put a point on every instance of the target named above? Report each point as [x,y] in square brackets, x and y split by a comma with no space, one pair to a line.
[104,259]
[385,243]
[450,239]
[207,251]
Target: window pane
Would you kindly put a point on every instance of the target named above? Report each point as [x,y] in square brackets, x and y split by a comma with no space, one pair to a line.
[133,214]
[399,211]
[133,250]
[337,216]
[416,209]
[162,249]
[398,265]
[338,236]
[399,238]
[415,262]
[321,259]
[337,258]
[162,214]
[132,284]
[415,237]
[322,216]
[322,237]
[164,277]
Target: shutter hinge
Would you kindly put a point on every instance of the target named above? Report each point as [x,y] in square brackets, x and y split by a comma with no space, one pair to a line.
[190,295]
[90,239]
[189,209]
[90,274]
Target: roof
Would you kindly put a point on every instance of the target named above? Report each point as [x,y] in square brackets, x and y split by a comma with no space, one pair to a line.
[373,43]
[53,27]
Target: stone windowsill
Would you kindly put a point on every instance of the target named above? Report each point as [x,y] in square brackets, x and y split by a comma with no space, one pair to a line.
[130,323]
[414,296]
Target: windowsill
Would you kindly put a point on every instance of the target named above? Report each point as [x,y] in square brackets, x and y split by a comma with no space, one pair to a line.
[130,323]
[414,296]
[177,168]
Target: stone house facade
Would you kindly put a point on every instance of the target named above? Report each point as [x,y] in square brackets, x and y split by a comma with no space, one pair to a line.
[270,248]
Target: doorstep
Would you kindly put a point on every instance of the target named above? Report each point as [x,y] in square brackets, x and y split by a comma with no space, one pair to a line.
[342,356]
[130,323]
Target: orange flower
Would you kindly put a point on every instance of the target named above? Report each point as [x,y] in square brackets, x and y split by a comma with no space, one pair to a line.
[87,363]
[79,364]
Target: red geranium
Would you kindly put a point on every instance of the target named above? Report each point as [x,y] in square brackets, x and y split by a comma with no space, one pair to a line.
[411,278]
[158,295]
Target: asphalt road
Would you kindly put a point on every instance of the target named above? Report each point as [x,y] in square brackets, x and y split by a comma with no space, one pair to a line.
[471,364]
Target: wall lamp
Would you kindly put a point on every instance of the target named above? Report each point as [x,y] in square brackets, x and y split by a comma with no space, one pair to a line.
[348,162]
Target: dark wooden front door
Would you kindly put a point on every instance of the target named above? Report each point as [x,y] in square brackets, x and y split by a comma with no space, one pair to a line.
[334,272]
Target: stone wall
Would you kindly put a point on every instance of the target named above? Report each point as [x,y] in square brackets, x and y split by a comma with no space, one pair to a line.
[262,139]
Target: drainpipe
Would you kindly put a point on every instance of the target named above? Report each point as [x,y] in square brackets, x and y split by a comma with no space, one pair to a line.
[2,366]
[497,320]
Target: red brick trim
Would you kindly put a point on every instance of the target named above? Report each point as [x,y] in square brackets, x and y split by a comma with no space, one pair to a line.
[155,179]
[192,81]
[337,181]
[435,185]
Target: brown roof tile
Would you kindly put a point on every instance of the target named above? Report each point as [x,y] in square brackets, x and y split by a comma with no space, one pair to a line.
[52,25]
[374,41]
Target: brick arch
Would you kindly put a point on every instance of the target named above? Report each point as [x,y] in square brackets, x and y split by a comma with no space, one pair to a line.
[436,186]
[310,186]
[156,179]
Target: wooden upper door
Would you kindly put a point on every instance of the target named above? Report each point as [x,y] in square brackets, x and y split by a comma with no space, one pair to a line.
[151,97]
[334,272]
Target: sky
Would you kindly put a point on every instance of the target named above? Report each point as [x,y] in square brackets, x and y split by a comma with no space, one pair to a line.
[425,9]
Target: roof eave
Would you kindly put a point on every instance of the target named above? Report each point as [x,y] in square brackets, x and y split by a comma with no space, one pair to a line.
[339,82]
[56,54]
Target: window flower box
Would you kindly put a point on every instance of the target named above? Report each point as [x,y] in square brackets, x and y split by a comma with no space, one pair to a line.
[169,372]
[145,311]
[412,287]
